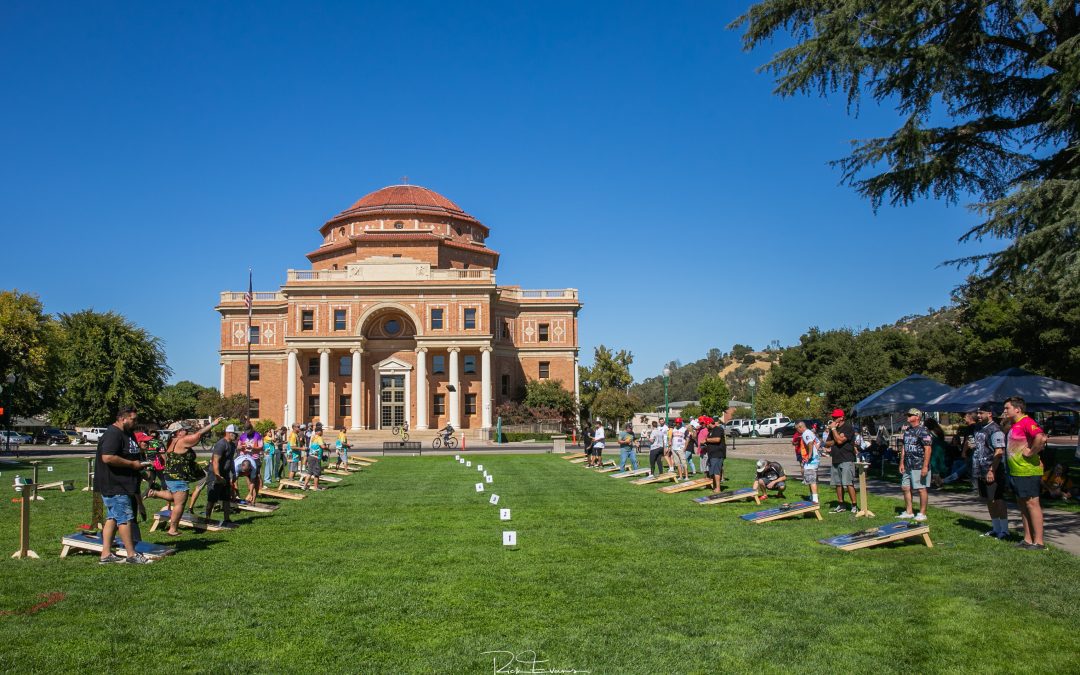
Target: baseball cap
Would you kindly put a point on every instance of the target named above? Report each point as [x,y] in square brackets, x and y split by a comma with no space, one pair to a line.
[140,437]
[914,411]
[678,420]
[231,429]
[985,407]
[838,413]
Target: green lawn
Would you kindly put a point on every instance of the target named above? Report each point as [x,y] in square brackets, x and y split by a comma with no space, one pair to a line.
[401,569]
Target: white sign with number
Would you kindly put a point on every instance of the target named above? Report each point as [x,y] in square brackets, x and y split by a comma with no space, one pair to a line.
[504,514]
[468,464]
[509,538]
[494,499]
[479,467]
[488,479]
[479,487]
[457,457]
[49,468]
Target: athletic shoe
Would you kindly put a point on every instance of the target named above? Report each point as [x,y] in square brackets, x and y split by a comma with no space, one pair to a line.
[854,509]
[839,508]
[921,517]
[1033,547]
[137,559]
[1021,544]
[990,533]
[1002,536]
[111,558]
[906,515]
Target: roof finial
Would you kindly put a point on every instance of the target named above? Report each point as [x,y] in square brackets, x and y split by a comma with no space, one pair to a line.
[404,180]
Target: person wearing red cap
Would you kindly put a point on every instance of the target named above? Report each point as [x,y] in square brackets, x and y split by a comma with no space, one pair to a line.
[840,440]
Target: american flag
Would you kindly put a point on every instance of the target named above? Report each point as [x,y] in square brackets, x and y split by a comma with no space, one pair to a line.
[248,297]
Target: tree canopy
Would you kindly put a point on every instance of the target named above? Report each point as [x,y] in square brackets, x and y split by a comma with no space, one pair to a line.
[28,340]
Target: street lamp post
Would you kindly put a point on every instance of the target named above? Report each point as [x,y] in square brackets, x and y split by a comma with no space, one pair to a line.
[667,374]
[753,415]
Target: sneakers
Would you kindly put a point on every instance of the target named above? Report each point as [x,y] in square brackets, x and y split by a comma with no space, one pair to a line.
[906,515]
[137,559]
[990,533]
[1031,547]
[920,518]
[854,509]
[111,558]
[839,508]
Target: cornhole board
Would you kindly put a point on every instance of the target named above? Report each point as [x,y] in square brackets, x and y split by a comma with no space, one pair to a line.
[61,485]
[579,460]
[254,507]
[329,479]
[662,478]
[608,469]
[280,494]
[880,535]
[603,465]
[82,541]
[729,496]
[337,472]
[286,483]
[194,522]
[361,458]
[784,511]
[630,473]
[574,455]
[686,486]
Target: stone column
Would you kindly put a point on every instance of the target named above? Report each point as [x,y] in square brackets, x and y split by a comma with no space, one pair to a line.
[222,387]
[421,388]
[455,396]
[485,387]
[290,390]
[357,397]
[324,387]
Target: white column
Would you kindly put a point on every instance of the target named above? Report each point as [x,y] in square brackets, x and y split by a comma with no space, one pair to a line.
[357,398]
[485,387]
[324,387]
[290,390]
[577,388]
[455,396]
[421,388]
[222,387]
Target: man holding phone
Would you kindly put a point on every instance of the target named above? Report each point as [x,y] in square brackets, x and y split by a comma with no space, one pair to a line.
[116,478]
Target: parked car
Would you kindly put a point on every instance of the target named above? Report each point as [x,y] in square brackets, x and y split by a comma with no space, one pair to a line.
[72,436]
[769,425]
[52,436]
[90,434]
[788,430]
[742,427]
[1059,425]
[15,438]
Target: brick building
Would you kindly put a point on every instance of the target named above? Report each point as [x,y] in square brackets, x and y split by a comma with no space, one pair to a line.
[399,318]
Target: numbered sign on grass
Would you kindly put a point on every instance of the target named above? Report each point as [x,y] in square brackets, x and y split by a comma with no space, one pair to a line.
[479,467]
[457,457]
[494,499]
[509,538]
[487,479]
[468,464]
[49,468]
[461,460]
[479,487]
[504,514]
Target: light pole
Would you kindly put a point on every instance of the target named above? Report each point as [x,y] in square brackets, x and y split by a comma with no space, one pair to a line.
[753,415]
[10,380]
[667,374]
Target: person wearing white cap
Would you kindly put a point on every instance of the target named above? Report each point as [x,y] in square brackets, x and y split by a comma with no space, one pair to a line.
[915,464]
[220,474]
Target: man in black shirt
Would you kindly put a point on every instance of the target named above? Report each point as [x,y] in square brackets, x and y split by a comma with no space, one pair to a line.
[116,478]
[841,444]
[220,474]
[716,448]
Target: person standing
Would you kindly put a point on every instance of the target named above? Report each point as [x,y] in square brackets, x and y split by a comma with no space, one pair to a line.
[691,445]
[626,448]
[987,464]
[808,450]
[270,454]
[1024,441]
[840,440]
[314,459]
[678,450]
[915,464]
[341,445]
[716,447]
[181,468]
[220,473]
[597,458]
[293,448]
[116,479]
[665,440]
[656,450]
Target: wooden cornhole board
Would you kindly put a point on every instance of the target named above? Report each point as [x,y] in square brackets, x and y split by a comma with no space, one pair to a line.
[579,460]
[603,465]
[575,455]
[686,486]
[81,541]
[329,479]
[361,458]
[337,472]
[629,474]
[729,496]
[881,535]
[187,520]
[662,478]
[784,511]
[286,483]
[253,507]
[280,494]
[608,469]
[61,485]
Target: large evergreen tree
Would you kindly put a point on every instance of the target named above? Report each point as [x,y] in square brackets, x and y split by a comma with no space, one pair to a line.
[27,349]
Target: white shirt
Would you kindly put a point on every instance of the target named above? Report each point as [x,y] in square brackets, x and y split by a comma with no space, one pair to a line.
[810,440]
[598,437]
[678,439]
[664,436]
[656,439]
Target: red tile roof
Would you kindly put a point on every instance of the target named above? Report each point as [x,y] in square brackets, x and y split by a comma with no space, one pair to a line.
[405,199]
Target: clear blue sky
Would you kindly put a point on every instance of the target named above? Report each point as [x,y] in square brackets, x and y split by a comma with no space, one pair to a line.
[153,151]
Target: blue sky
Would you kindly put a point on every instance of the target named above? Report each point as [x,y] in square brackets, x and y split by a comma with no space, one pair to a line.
[153,152]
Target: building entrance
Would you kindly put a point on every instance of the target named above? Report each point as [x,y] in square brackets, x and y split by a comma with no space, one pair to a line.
[392,399]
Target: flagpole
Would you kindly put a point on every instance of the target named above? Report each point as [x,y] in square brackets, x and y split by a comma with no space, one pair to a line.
[250,304]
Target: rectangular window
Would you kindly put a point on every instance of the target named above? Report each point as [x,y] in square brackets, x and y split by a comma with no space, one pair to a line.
[505,383]
[339,319]
[436,319]
[253,372]
[543,332]
[507,333]
[313,365]
[344,405]
[438,364]
[470,364]
[254,335]
[545,369]
[439,404]
[253,409]
[345,366]
[470,404]
[307,319]
[312,406]
[470,318]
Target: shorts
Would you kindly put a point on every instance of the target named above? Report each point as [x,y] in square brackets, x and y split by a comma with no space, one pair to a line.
[843,474]
[678,458]
[294,465]
[176,485]
[118,508]
[314,466]
[809,475]
[219,490]
[991,492]
[716,466]
[913,479]
[597,450]
[1026,487]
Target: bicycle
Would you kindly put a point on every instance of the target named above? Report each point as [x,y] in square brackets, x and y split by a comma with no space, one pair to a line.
[402,430]
[439,441]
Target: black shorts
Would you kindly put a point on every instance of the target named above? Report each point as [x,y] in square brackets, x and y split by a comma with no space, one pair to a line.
[1026,487]
[992,492]
[596,450]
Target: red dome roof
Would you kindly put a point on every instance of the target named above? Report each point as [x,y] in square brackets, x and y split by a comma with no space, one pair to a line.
[406,199]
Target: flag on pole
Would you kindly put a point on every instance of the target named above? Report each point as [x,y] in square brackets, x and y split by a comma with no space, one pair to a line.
[249,296]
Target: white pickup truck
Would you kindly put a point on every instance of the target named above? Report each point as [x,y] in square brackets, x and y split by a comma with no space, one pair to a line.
[89,434]
[742,427]
[769,425]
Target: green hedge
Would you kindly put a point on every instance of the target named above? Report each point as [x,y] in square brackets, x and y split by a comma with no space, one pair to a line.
[508,437]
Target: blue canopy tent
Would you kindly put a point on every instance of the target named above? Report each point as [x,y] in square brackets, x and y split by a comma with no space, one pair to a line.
[1040,393]
[912,391]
